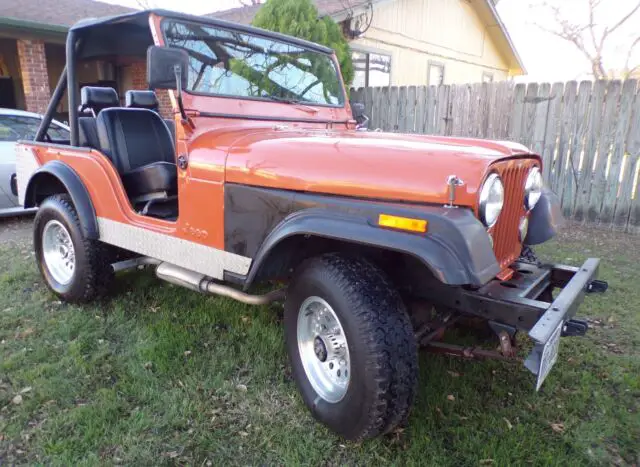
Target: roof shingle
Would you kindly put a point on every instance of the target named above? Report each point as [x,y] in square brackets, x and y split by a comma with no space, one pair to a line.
[245,14]
[61,12]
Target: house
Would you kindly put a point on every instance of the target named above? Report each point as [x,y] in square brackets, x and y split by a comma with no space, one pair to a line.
[399,42]
[32,52]
[418,42]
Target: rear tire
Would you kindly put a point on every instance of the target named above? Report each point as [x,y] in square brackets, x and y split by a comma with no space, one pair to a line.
[361,318]
[74,267]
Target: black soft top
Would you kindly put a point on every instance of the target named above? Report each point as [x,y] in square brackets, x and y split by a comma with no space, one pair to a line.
[130,34]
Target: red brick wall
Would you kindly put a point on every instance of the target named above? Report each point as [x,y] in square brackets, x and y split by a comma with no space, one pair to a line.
[139,72]
[35,79]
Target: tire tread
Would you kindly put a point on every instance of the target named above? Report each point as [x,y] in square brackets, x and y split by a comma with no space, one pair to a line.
[387,333]
[98,273]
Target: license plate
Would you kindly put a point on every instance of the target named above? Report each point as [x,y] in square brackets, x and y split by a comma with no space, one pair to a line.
[549,355]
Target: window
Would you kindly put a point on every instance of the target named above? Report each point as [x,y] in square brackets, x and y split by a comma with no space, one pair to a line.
[234,64]
[435,73]
[487,77]
[371,69]
[17,127]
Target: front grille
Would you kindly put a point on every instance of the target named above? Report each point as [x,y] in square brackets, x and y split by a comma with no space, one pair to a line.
[506,237]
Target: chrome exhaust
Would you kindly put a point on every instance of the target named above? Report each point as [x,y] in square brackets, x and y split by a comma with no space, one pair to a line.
[201,283]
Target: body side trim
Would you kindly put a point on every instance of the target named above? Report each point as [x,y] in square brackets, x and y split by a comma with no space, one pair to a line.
[193,256]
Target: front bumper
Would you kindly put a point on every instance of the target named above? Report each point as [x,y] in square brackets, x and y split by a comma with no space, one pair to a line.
[525,303]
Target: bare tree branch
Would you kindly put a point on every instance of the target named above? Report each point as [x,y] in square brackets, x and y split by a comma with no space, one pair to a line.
[628,72]
[622,21]
[593,4]
[596,36]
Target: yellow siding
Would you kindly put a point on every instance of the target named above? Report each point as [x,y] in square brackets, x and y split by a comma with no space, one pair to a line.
[415,32]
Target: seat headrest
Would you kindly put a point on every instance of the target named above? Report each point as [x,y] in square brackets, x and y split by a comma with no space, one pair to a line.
[98,98]
[141,100]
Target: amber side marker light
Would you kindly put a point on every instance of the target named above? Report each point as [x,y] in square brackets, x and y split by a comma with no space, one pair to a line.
[402,223]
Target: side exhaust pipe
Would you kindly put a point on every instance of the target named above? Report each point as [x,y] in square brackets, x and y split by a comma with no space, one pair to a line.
[201,283]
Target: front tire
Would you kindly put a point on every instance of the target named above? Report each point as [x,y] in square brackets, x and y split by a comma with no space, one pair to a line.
[74,267]
[351,345]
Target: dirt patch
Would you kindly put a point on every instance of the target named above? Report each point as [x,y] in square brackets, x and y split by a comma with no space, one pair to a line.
[16,230]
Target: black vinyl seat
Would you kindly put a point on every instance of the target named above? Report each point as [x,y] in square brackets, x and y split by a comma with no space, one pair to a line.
[140,146]
[93,99]
[140,99]
[148,100]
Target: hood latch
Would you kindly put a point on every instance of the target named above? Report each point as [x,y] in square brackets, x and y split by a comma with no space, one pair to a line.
[453,181]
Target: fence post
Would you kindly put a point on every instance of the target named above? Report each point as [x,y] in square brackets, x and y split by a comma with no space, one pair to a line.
[515,128]
[590,147]
[551,132]
[604,146]
[540,124]
[566,132]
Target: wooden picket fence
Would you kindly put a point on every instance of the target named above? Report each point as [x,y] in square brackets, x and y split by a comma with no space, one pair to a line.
[588,134]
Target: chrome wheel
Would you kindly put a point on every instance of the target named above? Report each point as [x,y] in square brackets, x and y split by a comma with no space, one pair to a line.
[323,349]
[59,254]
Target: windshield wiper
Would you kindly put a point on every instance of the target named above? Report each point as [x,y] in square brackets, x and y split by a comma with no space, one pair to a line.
[285,100]
[282,99]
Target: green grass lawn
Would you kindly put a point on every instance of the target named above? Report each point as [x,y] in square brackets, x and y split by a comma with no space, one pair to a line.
[161,375]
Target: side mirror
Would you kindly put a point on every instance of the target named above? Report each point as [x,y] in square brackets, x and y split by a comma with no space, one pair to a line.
[357,109]
[167,67]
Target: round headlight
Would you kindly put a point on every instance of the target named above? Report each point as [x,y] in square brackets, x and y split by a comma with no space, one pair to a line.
[533,188]
[491,200]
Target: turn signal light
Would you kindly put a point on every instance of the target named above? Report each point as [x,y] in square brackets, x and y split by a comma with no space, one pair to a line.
[402,223]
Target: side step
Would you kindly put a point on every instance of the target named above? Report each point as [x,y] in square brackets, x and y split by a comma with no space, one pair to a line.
[201,283]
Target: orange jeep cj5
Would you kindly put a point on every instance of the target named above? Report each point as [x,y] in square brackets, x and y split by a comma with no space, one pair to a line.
[380,242]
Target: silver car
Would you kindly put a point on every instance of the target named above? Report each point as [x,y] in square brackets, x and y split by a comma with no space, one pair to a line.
[17,125]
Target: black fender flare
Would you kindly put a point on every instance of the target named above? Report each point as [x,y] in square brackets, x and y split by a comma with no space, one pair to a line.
[456,247]
[74,186]
[545,219]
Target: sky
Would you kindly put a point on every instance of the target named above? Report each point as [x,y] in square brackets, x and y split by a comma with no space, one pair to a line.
[545,57]
[548,58]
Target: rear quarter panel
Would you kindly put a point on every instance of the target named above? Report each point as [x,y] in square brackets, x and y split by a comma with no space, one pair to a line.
[99,177]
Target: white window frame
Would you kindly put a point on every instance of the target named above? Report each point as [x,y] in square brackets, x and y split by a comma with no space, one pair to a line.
[487,77]
[435,64]
[363,49]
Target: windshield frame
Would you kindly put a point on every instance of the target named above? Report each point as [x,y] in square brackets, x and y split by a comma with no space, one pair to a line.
[332,57]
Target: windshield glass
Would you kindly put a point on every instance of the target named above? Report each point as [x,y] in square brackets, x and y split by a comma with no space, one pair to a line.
[234,64]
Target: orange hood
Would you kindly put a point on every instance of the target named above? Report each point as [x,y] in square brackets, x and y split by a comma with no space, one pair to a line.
[364,164]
